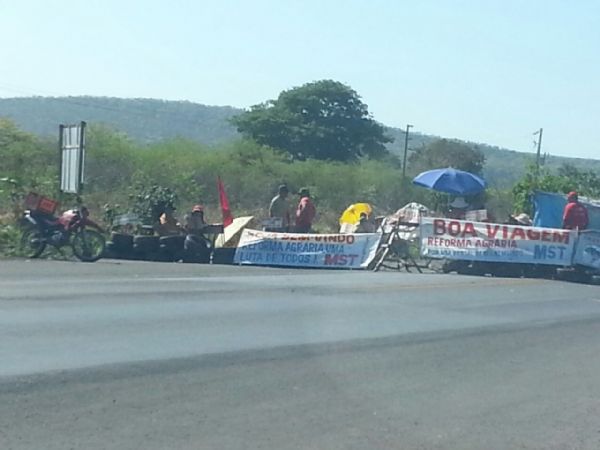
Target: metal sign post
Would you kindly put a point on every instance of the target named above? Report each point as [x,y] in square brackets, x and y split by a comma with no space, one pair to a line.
[72,157]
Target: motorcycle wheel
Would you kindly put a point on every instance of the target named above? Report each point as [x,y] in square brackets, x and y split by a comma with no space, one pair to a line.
[33,243]
[88,245]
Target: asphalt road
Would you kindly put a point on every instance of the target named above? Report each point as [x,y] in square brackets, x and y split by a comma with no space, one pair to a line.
[159,356]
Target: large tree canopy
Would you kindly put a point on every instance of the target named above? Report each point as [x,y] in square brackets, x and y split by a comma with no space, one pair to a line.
[447,153]
[323,120]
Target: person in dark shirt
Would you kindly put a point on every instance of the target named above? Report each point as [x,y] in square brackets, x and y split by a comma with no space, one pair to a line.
[280,209]
[575,215]
[365,225]
[196,245]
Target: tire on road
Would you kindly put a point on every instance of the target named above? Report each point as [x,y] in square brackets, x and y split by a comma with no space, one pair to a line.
[146,246]
[172,247]
[223,255]
[121,242]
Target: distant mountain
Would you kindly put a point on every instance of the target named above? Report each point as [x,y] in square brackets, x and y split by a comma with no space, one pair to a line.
[145,120]
[149,120]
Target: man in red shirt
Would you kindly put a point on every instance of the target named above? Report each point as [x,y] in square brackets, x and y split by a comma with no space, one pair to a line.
[305,213]
[575,215]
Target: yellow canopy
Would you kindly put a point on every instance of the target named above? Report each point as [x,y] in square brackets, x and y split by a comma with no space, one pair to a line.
[352,214]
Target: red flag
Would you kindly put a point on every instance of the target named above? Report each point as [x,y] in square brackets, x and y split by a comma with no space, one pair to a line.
[227,217]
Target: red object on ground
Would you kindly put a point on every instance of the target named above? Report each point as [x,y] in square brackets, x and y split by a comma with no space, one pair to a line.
[227,216]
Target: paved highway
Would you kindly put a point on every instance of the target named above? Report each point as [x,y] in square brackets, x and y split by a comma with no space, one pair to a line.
[155,356]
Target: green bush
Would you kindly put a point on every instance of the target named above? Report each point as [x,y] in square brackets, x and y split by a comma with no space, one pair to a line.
[122,172]
[10,237]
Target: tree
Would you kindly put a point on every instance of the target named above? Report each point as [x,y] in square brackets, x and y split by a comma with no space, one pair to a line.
[322,120]
[568,178]
[447,153]
[585,182]
[28,164]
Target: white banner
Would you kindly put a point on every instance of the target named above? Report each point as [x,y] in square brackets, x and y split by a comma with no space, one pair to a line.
[588,249]
[343,251]
[492,242]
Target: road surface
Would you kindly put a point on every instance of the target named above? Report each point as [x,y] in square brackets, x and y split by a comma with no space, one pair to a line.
[155,356]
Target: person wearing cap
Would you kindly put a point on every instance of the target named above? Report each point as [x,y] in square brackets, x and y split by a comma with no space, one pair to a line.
[280,208]
[575,215]
[305,213]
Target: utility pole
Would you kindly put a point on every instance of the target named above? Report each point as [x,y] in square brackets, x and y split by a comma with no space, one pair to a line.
[405,150]
[539,149]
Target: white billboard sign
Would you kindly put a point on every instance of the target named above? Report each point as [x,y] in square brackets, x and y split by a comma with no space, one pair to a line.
[72,157]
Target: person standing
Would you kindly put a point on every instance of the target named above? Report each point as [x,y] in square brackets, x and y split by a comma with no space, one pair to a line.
[575,215]
[280,209]
[305,213]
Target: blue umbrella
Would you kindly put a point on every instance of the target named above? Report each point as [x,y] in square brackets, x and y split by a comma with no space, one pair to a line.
[451,181]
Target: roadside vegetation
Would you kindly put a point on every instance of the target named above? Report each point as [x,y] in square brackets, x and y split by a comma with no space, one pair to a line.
[308,137]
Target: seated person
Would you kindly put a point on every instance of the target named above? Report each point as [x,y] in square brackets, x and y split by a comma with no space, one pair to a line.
[365,225]
[196,244]
[458,208]
[194,221]
[167,224]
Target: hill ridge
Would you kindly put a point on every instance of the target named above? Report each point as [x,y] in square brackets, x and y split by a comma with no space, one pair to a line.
[149,120]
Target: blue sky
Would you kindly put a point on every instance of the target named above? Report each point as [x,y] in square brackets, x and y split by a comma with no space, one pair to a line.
[485,71]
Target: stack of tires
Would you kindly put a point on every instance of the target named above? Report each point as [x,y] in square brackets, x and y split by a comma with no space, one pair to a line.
[167,248]
[223,255]
[146,247]
[171,248]
[120,246]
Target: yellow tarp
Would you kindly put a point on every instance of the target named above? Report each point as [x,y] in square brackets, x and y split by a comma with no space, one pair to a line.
[352,214]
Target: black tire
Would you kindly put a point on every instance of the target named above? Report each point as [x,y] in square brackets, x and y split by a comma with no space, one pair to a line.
[33,242]
[171,248]
[122,243]
[196,249]
[146,244]
[88,245]
[172,244]
[223,255]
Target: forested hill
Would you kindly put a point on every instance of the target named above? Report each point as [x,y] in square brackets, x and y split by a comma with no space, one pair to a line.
[149,120]
[145,120]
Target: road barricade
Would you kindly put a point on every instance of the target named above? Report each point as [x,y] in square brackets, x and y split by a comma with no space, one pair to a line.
[491,242]
[588,249]
[339,251]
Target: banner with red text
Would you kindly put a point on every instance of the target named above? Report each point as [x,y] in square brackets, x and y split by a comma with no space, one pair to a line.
[340,251]
[492,242]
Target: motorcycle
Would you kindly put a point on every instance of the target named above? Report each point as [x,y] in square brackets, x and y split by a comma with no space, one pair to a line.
[69,229]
